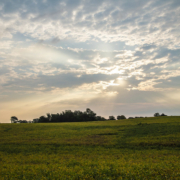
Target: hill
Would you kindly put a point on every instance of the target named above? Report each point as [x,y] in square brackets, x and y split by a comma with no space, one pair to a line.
[126,149]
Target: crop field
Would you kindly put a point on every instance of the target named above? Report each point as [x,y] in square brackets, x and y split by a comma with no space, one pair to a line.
[146,148]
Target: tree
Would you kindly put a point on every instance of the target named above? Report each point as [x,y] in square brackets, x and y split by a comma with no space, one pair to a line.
[43,119]
[55,118]
[163,114]
[99,118]
[22,121]
[112,118]
[156,114]
[14,119]
[91,116]
[49,116]
[35,120]
[78,115]
[121,117]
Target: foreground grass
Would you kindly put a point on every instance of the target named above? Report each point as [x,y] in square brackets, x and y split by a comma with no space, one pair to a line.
[130,149]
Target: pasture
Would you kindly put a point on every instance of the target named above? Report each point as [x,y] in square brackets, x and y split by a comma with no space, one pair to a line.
[144,148]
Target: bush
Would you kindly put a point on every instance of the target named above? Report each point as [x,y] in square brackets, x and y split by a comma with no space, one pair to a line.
[121,117]
[112,118]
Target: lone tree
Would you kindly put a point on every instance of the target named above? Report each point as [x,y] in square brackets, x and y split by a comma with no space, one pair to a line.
[156,114]
[14,119]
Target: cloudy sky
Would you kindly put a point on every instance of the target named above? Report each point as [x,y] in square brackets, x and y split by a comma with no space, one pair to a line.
[112,56]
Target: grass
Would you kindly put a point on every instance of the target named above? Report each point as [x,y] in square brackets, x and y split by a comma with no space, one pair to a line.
[126,149]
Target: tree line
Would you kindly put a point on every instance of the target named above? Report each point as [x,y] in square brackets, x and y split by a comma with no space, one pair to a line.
[76,116]
[70,116]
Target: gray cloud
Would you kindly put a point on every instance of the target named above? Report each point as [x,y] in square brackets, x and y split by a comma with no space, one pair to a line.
[172,82]
[148,46]
[4,70]
[70,80]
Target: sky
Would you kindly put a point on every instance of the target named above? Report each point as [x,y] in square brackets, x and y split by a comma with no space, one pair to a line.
[115,57]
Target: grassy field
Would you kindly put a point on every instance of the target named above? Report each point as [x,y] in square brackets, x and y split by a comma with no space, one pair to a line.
[126,149]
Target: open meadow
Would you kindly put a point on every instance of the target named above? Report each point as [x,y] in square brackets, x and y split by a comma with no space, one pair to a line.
[144,148]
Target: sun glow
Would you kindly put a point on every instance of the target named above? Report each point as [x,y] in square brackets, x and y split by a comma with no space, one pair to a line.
[116,70]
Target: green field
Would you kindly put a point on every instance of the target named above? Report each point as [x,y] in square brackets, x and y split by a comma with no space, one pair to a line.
[146,148]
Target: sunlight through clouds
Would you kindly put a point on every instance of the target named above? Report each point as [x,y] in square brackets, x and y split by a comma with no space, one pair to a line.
[79,54]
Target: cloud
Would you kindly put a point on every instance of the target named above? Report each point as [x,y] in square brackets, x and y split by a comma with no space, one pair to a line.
[69,80]
[110,21]
[122,52]
[53,66]
[170,83]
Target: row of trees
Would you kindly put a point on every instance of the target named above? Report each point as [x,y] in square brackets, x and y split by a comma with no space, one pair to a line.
[14,119]
[118,117]
[76,116]
[157,114]
[70,116]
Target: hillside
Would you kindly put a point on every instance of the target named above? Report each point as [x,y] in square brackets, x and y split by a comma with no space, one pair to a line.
[126,149]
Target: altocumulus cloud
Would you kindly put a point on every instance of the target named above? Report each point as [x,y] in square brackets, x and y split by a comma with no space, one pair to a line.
[116,57]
